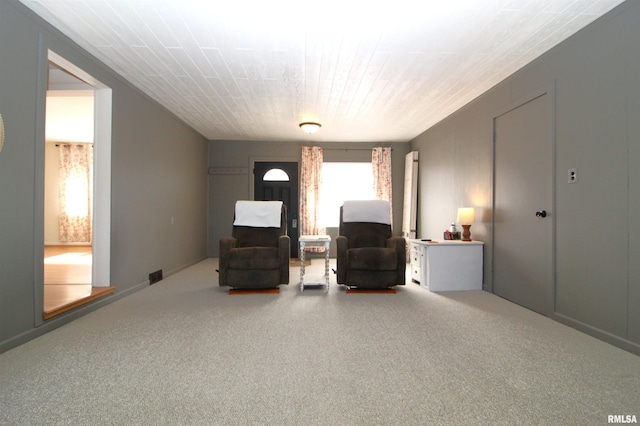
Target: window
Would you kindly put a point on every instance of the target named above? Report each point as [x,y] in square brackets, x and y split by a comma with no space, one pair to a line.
[276,175]
[340,182]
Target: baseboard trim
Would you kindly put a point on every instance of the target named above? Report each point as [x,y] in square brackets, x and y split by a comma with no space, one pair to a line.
[605,336]
[77,312]
[183,267]
[67,317]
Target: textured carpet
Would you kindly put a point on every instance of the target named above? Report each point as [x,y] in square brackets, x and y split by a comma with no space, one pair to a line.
[185,352]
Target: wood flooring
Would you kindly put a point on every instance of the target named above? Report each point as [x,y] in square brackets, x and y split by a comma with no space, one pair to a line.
[67,279]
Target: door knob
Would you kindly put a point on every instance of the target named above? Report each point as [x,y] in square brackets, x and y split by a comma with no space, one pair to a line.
[541,213]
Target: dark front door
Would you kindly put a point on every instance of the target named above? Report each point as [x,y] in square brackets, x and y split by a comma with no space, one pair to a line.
[278,181]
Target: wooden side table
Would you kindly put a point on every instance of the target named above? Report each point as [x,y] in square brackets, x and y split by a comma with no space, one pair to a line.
[315,241]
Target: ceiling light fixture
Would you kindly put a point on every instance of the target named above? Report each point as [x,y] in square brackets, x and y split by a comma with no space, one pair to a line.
[310,127]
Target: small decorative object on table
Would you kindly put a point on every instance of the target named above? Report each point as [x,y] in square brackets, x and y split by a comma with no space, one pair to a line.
[448,235]
[452,233]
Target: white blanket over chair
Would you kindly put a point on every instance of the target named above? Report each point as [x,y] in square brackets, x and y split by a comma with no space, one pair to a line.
[259,214]
[375,211]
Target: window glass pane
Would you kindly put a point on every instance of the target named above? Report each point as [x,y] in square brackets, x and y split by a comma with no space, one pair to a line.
[340,182]
[276,175]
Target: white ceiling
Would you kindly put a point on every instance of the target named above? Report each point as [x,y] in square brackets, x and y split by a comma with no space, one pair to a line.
[367,70]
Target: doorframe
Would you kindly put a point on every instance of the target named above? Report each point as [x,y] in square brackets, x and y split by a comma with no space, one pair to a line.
[290,215]
[254,160]
[101,226]
[101,211]
[550,90]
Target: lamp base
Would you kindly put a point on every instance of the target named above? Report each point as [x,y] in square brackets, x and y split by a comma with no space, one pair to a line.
[466,233]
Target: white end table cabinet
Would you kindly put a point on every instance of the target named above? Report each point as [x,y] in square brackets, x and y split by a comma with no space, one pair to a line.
[322,242]
[447,265]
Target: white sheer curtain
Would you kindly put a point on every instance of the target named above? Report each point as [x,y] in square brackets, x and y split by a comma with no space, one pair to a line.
[382,179]
[75,192]
[310,183]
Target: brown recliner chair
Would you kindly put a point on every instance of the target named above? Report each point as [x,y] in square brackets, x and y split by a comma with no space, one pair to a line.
[368,256]
[256,256]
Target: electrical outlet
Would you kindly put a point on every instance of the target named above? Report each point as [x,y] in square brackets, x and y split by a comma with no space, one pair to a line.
[572,175]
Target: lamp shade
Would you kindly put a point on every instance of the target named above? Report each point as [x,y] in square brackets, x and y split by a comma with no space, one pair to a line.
[466,215]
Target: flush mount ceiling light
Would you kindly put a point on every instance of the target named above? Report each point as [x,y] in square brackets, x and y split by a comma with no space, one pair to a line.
[310,127]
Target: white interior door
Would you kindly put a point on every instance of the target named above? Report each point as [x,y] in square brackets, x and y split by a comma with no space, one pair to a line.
[523,204]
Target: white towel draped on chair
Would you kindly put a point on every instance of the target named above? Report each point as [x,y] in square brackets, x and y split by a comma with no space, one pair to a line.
[375,211]
[259,214]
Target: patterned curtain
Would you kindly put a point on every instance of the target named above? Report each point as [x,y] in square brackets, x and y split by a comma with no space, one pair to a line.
[310,183]
[381,162]
[75,193]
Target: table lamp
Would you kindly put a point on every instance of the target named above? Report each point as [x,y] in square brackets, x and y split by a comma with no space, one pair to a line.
[466,216]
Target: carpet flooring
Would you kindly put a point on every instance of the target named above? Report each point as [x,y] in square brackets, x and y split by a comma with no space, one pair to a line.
[184,352]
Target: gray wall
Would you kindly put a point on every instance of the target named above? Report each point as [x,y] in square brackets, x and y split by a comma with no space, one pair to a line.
[225,189]
[596,74]
[159,168]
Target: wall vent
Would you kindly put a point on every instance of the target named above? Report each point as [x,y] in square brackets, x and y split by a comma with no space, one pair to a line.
[154,277]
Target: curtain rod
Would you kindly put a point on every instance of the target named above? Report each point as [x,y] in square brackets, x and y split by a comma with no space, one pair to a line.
[78,144]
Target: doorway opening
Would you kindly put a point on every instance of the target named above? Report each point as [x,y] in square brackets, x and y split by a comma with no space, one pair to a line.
[76,190]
